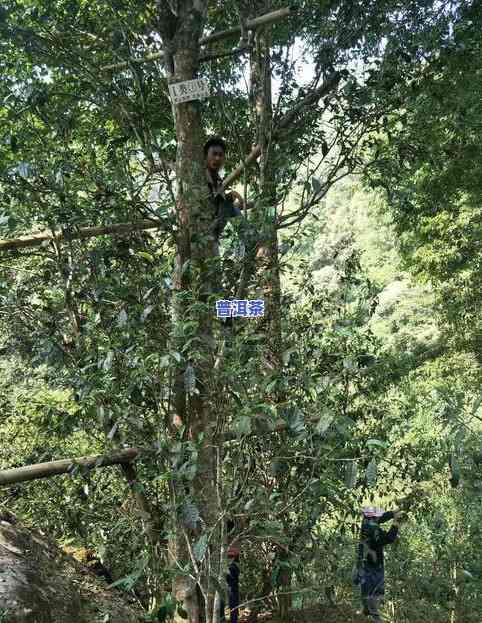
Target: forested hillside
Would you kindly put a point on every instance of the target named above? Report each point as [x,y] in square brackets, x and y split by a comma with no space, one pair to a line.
[197,446]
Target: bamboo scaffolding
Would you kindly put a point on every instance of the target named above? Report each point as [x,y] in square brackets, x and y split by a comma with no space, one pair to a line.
[262,20]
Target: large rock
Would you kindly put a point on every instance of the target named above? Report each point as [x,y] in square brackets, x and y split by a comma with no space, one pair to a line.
[39,583]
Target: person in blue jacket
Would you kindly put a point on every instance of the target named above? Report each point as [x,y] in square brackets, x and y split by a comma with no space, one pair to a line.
[370,570]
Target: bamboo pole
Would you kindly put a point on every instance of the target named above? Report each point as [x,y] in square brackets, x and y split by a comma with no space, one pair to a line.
[284,122]
[54,468]
[122,457]
[35,240]
[89,232]
[262,20]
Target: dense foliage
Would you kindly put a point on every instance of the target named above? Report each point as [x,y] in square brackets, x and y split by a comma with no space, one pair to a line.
[374,395]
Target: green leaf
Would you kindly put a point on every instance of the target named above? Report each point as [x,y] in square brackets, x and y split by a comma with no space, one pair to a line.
[190,515]
[189,379]
[371,473]
[324,423]
[249,504]
[477,404]
[287,354]
[107,364]
[188,471]
[243,425]
[164,361]
[316,184]
[122,318]
[349,364]
[128,581]
[146,256]
[351,474]
[146,312]
[376,442]
[113,431]
[240,250]
[200,547]
[296,422]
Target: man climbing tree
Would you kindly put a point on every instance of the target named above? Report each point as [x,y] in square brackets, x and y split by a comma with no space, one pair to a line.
[225,208]
[224,203]
[233,572]
[370,571]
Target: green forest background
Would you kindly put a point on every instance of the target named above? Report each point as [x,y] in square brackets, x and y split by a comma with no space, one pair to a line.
[382,345]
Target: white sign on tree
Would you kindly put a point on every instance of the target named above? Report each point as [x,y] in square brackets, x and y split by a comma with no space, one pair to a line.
[190,90]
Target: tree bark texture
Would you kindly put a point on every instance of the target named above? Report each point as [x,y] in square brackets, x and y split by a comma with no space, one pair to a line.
[268,251]
[267,256]
[193,285]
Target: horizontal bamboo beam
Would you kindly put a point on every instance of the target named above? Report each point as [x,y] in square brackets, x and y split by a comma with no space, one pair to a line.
[54,468]
[257,22]
[35,240]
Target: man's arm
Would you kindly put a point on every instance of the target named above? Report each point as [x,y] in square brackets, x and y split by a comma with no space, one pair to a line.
[386,517]
[235,196]
[391,535]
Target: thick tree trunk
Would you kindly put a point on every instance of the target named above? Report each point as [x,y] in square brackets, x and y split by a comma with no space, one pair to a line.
[193,284]
[268,251]
[268,260]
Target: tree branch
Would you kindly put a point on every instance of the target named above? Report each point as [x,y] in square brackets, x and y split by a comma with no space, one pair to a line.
[35,240]
[54,468]
[268,18]
[284,122]
[89,232]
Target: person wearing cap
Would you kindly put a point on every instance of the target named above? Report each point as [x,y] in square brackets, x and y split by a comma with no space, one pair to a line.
[232,579]
[370,570]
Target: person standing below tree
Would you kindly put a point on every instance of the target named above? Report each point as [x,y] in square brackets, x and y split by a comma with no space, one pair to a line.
[370,570]
[232,577]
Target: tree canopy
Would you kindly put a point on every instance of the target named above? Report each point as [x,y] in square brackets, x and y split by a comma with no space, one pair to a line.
[353,136]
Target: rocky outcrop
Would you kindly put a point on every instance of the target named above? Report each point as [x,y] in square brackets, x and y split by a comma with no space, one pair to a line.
[39,583]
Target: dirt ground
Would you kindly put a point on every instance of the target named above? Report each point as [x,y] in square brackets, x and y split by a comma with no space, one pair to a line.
[319,614]
[341,614]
